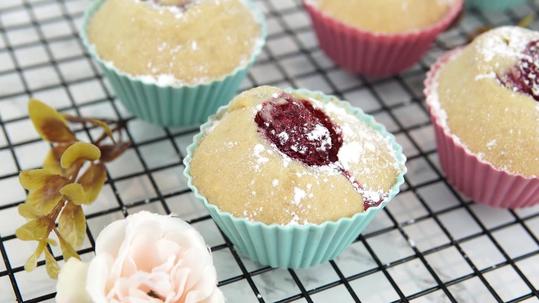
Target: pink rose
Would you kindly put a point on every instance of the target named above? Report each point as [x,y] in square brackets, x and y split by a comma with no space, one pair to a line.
[147,258]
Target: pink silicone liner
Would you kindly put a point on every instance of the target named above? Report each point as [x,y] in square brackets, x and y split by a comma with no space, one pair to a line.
[466,172]
[374,54]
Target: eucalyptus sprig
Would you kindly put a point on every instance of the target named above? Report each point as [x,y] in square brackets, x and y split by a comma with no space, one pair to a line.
[73,175]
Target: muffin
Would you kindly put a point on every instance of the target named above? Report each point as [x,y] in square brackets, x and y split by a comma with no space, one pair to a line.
[389,17]
[390,38]
[174,62]
[303,165]
[483,100]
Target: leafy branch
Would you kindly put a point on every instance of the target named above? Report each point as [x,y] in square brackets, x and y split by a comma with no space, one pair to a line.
[73,175]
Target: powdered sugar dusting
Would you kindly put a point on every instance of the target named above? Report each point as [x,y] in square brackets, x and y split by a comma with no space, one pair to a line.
[357,139]
[320,133]
[490,75]
[299,194]
[350,153]
[259,158]
[177,10]
[283,137]
[161,80]
[505,41]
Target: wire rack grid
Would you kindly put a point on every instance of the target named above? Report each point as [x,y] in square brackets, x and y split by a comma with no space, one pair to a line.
[430,245]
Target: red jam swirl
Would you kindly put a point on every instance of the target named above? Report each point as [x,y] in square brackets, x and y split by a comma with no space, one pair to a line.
[524,76]
[299,130]
[304,133]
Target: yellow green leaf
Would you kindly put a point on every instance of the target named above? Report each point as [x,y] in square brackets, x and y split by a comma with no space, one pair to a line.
[42,202]
[45,198]
[72,224]
[51,265]
[92,180]
[50,124]
[109,152]
[51,165]
[27,211]
[34,230]
[79,151]
[32,261]
[33,179]
[67,250]
[104,126]
[74,192]
[52,160]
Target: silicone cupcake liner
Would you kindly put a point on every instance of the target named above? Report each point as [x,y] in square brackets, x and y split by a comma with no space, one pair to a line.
[465,171]
[374,54]
[489,5]
[294,245]
[173,105]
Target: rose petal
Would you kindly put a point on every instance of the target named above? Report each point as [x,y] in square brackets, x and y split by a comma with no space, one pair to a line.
[71,281]
[179,277]
[136,227]
[119,289]
[128,267]
[216,297]
[204,288]
[185,237]
[137,296]
[197,262]
[166,266]
[159,283]
[110,239]
[97,278]
[165,248]
[144,258]
[152,255]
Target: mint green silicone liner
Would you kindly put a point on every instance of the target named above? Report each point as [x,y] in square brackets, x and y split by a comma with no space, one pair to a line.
[173,105]
[293,245]
[492,5]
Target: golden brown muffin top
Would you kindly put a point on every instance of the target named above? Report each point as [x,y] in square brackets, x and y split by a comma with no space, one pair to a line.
[192,43]
[386,16]
[238,167]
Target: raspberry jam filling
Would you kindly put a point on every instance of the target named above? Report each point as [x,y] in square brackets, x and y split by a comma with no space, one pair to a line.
[524,76]
[304,133]
[299,130]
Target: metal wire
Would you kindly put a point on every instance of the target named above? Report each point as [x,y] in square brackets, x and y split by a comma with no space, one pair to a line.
[279,13]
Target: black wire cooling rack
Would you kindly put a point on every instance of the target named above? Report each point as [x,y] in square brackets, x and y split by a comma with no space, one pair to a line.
[430,245]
